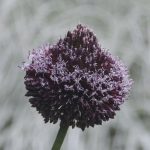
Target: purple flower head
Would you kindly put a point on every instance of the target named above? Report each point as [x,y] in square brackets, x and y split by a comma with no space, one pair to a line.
[75,81]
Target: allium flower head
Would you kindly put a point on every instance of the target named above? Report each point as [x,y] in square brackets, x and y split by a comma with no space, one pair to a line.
[75,81]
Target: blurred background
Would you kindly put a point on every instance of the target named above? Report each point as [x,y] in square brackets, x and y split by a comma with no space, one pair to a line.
[122,26]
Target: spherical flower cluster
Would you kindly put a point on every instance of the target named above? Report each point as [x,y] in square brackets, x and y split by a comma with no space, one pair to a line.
[76,81]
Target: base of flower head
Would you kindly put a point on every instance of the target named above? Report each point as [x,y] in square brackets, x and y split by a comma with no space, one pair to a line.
[81,111]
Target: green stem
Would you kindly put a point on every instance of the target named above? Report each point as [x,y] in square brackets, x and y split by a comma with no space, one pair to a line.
[60,137]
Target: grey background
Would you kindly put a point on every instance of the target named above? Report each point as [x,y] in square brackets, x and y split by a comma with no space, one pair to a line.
[122,26]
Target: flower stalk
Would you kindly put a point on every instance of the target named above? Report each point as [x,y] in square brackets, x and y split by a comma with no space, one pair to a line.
[60,137]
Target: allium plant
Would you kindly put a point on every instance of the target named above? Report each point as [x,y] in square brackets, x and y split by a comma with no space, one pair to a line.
[75,81]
